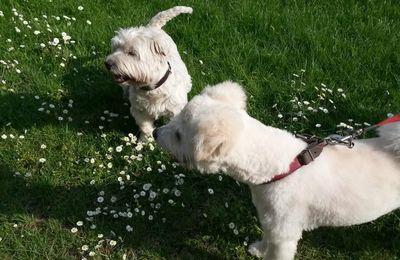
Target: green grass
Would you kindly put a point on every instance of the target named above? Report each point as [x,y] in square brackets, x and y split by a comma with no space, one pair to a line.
[349,45]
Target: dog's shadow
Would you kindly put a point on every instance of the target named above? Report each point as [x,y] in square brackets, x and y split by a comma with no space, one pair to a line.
[92,92]
[69,203]
[379,239]
[177,238]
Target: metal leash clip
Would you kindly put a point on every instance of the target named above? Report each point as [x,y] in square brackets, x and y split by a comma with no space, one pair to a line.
[309,138]
[339,139]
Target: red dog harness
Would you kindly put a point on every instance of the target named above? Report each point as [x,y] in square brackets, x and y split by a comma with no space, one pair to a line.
[316,145]
[313,150]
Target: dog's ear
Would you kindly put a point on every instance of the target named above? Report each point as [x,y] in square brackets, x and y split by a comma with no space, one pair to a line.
[228,92]
[156,47]
[217,135]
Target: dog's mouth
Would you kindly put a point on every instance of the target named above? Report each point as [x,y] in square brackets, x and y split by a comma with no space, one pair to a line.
[120,79]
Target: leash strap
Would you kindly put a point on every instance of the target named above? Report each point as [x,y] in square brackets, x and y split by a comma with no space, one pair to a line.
[348,139]
[390,120]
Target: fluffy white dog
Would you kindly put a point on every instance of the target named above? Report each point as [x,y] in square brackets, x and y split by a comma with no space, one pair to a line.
[146,63]
[342,187]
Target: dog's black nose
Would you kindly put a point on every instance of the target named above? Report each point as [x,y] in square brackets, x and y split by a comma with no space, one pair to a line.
[155,133]
[108,64]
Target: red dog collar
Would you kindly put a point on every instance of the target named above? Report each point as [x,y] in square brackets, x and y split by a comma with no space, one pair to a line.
[313,150]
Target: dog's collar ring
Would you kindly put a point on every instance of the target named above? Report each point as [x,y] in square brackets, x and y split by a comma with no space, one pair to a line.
[161,81]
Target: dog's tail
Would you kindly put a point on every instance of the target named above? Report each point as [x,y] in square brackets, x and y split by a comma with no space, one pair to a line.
[160,19]
[390,137]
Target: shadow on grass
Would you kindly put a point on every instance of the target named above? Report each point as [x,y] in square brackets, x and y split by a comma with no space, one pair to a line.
[187,233]
[178,238]
[92,92]
[377,240]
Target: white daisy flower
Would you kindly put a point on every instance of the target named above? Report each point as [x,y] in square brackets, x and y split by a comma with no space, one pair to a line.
[42,160]
[129,228]
[147,186]
[55,42]
[152,195]
[113,199]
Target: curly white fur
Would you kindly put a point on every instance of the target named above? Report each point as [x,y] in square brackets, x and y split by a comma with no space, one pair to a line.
[342,187]
[139,58]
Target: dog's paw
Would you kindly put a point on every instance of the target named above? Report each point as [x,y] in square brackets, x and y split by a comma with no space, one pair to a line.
[257,249]
[145,139]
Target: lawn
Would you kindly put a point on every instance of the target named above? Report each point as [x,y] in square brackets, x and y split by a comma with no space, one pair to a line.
[75,183]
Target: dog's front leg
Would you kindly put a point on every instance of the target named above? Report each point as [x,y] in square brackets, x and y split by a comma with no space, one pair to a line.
[258,248]
[281,249]
[125,92]
[145,123]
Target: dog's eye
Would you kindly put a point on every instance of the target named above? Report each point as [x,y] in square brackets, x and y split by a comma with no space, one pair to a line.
[178,136]
[131,53]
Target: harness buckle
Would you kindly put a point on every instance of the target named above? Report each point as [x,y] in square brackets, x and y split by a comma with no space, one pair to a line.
[311,152]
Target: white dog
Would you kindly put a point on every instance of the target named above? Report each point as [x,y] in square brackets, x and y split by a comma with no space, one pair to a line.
[341,187]
[146,63]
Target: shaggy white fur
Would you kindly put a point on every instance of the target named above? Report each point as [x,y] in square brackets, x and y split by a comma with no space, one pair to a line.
[139,60]
[342,187]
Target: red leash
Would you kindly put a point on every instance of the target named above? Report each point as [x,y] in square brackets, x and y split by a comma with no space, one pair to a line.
[316,145]
[390,120]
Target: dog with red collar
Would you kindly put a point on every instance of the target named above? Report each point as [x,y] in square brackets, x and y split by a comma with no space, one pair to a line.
[338,187]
